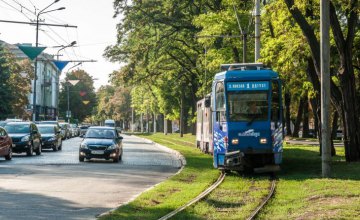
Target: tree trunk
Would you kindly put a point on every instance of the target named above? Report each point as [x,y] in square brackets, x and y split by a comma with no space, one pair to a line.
[287,115]
[334,129]
[299,117]
[182,114]
[165,125]
[306,118]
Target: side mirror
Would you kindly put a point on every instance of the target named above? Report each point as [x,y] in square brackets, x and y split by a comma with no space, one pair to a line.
[81,135]
[120,138]
[207,101]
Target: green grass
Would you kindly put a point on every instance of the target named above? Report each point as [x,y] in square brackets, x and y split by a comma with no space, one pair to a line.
[301,193]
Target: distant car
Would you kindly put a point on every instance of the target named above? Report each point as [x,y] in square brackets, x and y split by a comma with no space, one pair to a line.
[3,123]
[83,129]
[101,142]
[13,120]
[75,130]
[25,137]
[6,144]
[109,123]
[65,130]
[50,136]
[339,135]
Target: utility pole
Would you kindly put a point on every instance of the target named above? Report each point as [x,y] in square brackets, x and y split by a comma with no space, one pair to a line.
[257,30]
[325,86]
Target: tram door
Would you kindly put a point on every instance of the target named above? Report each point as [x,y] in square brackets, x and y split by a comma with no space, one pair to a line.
[219,124]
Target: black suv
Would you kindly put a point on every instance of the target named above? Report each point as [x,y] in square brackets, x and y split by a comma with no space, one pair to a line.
[25,137]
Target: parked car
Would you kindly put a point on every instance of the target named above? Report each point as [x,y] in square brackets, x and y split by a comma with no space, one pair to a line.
[75,130]
[339,135]
[50,123]
[25,137]
[50,136]
[65,130]
[83,129]
[101,142]
[6,144]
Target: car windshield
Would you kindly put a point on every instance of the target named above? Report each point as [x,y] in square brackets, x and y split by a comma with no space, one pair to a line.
[17,128]
[73,125]
[248,106]
[46,130]
[100,133]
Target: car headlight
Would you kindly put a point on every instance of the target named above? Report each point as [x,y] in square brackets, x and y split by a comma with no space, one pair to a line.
[83,146]
[26,138]
[112,147]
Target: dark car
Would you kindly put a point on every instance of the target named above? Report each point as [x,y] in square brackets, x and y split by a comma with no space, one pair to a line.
[50,136]
[25,137]
[5,144]
[101,142]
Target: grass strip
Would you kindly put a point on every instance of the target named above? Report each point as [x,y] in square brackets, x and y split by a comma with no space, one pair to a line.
[301,193]
[174,192]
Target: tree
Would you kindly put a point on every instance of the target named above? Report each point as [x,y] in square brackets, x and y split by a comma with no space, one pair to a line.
[343,95]
[15,78]
[82,97]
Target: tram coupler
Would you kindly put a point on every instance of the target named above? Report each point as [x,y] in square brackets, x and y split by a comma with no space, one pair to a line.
[234,159]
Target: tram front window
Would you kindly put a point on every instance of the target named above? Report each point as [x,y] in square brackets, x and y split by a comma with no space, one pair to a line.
[248,106]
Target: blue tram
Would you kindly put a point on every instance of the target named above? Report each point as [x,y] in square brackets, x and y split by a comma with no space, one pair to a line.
[247,119]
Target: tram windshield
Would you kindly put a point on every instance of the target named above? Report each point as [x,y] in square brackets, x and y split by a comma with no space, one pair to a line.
[248,106]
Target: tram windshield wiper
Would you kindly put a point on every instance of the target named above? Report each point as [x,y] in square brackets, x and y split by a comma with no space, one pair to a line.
[253,119]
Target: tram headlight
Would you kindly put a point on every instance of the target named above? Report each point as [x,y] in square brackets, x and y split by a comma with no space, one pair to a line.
[263,141]
[235,141]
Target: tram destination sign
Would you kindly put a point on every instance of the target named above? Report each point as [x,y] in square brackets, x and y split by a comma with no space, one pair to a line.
[248,86]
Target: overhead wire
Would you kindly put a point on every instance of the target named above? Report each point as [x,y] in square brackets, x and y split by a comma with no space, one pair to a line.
[23,7]
[16,9]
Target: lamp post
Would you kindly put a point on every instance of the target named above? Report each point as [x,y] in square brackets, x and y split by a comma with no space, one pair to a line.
[72,82]
[63,47]
[37,44]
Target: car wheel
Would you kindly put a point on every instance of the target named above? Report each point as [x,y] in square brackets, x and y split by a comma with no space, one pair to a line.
[9,156]
[38,151]
[116,160]
[81,159]
[30,150]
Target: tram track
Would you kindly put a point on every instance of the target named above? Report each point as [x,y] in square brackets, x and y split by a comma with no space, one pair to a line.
[214,186]
[196,199]
[268,197]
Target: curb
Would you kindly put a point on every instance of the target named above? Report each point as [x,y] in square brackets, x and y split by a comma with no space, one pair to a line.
[179,156]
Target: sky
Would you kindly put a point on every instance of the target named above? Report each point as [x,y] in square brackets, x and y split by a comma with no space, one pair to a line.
[96,29]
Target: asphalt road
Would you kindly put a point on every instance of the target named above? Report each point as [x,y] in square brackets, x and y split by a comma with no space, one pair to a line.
[55,185]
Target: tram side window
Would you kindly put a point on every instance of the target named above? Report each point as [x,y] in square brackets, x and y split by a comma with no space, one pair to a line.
[275,102]
[220,102]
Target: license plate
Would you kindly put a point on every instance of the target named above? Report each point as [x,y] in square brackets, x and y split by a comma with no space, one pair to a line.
[97,152]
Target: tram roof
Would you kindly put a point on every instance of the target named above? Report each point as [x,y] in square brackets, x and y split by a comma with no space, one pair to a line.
[263,74]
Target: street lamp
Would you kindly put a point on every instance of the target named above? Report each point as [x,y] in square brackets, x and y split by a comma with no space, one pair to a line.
[72,82]
[37,44]
[63,47]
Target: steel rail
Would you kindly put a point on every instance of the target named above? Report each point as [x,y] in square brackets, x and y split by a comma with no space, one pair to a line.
[271,193]
[198,198]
